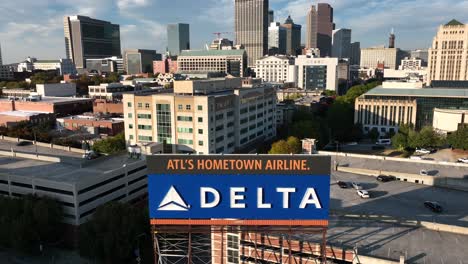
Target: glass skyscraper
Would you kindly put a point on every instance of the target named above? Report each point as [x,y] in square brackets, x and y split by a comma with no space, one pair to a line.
[178,38]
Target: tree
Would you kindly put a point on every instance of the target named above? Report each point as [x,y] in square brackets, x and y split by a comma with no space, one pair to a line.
[426,137]
[110,145]
[115,232]
[373,134]
[280,147]
[295,145]
[459,138]
[306,129]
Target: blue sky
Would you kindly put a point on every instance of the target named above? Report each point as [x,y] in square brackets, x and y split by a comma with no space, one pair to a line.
[35,27]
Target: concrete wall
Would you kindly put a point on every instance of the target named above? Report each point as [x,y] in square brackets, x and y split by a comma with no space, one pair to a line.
[46,145]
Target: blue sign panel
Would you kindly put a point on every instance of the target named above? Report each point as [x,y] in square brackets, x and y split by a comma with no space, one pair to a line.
[282,196]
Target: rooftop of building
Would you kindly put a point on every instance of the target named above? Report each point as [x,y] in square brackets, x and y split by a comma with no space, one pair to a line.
[199,53]
[454,22]
[93,118]
[72,169]
[54,100]
[424,92]
[451,111]
[22,113]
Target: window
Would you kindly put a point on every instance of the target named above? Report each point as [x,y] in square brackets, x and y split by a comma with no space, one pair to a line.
[219,117]
[144,116]
[184,130]
[184,118]
[220,127]
[130,137]
[144,127]
[243,110]
[244,120]
[130,126]
[130,115]
[188,107]
[147,106]
[129,104]
[230,124]
[200,120]
[185,141]
[219,139]
[200,108]
[140,105]
[200,131]
[200,143]
[230,113]
[180,107]
[145,138]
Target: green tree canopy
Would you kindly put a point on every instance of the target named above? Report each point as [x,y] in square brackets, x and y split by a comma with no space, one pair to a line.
[291,145]
[459,138]
[110,145]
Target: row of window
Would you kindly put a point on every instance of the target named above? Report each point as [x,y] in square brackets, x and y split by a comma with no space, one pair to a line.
[189,107]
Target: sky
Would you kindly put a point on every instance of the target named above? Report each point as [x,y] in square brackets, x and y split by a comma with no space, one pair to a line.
[35,27]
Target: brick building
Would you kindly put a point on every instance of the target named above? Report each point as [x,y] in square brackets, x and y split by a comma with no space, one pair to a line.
[60,106]
[93,124]
[106,107]
[11,118]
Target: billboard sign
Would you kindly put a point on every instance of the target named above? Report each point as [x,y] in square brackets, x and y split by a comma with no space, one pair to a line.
[249,187]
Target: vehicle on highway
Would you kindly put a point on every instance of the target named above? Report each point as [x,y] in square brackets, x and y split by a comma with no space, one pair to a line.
[384,141]
[385,178]
[342,184]
[423,173]
[356,185]
[90,155]
[363,194]
[416,157]
[463,160]
[23,143]
[422,151]
[433,206]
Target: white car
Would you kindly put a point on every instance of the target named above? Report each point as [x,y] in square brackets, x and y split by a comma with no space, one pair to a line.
[463,160]
[356,186]
[423,151]
[423,173]
[363,194]
[384,142]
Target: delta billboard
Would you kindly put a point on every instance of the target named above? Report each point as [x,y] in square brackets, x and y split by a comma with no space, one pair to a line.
[245,187]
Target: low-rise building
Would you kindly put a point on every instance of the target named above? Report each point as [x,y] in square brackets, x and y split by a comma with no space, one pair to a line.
[387,108]
[203,116]
[167,65]
[233,62]
[109,91]
[411,64]
[93,124]
[105,65]
[56,89]
[6,73]
[62,66]
[101,106]
[275,68]
[11,118]
[138,61]
[449,120]
[60,106]
[317,73]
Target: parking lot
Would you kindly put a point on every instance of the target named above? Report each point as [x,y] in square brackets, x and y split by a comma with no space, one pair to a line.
[399,199]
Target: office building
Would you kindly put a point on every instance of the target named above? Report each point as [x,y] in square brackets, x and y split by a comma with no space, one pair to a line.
[88,38]
[420,54]
[60,106]
[391,40]
[271,16]
[381,58]
[56,89]
[1,60]
[109,91]
[355,53]
[319,28]
[411,64]
[203,116]
[317,73]
[167,65]
[233,62]
[276,39]
[105,65]
[221,43]
[387,108]
[251,28]
[178,38]
[275,68]
[447,56]
[5,72]
[12,118]
[293,37]
[94,125]
[62,66]
[341,43]
[138,61]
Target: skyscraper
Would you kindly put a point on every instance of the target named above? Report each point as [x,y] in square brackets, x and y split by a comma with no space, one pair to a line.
[1,62]
[446,56]
[251,26]
[293,37]
[138,61]
[88,38]
[391,39]
[178,38]
[355,53]
[276,39]
[271,17]
[319,28]
[341,43]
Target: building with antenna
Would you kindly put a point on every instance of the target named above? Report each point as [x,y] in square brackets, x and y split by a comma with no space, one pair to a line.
[391,39]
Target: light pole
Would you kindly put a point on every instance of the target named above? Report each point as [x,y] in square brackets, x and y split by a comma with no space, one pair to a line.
[35,140]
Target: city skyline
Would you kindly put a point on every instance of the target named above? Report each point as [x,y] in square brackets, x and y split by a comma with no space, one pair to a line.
[141,29]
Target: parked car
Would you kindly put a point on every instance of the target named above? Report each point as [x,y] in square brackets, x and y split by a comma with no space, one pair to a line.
[463,160]
[423,173]
[363,194]
[342,184]
[416,157]
[385,178]
[433,206]
[422,151]
[356,186]
[23,143]
[90,155]
[384,141]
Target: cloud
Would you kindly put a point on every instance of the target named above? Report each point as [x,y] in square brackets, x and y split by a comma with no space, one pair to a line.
[127,4]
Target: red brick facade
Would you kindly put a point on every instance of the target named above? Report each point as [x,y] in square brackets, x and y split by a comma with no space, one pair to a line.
[102,106]
[106,127]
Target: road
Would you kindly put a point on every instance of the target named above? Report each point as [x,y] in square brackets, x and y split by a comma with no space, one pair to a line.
[399,199]
[402,166]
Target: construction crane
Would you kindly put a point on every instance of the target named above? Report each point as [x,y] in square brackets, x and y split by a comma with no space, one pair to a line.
[218,34]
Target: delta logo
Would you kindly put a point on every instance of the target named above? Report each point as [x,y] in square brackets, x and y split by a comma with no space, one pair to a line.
[211,198]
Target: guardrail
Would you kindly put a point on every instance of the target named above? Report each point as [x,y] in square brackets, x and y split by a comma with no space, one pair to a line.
[45,145]
[375,157]
[30,156]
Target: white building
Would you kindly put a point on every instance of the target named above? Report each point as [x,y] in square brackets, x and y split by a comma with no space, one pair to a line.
[109,91]
[380,57]
[411,64]
[317,73]
[63,66]
[274,68]
[233,62]
[56,89]
[277,38]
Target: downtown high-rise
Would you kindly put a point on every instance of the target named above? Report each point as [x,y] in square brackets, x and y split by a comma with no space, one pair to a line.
[320,28]
[178,38]
[251,27]
[89,38]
